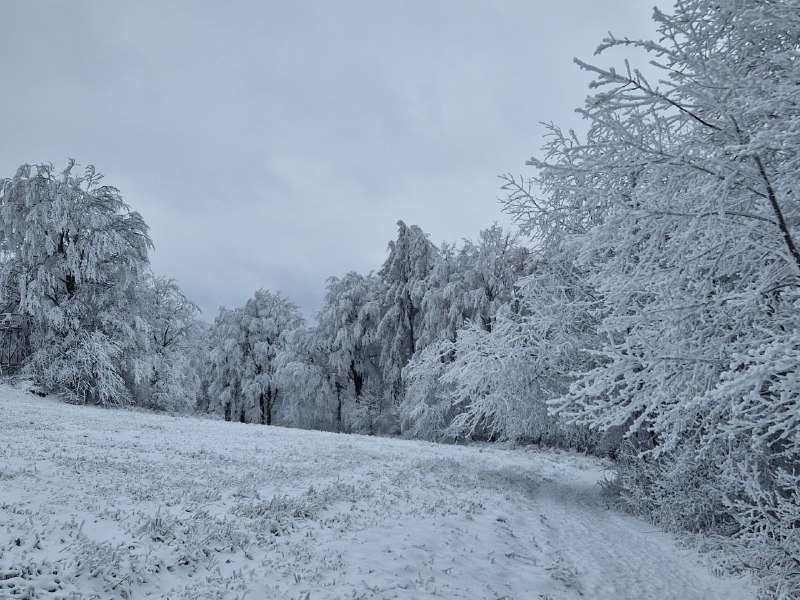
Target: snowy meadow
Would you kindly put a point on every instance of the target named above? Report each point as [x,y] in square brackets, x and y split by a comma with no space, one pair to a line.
[99,503]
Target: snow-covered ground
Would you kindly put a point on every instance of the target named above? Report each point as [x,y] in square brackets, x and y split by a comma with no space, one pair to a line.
[120,504]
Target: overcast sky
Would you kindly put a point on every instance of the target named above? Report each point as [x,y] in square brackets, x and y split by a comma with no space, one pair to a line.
[272,144]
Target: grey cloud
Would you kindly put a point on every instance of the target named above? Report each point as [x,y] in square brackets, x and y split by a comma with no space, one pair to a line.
[271,144]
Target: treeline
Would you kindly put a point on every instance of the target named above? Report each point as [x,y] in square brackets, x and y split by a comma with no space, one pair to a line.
[653,312]
[102,329]
[373,360]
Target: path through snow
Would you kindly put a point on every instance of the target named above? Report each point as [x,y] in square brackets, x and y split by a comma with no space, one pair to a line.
[121,504]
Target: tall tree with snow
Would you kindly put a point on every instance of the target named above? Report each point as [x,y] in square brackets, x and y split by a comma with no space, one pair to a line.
[470,283]
[176,342]
[466,288]
[494,382]
[304,374]
[226,358]
[74,254]
[347,329]
[682,203]
[411,258]
[245,344]
[501,380]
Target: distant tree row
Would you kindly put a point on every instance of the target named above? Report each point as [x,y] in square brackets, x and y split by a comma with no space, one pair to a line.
[102,329]
[353,369]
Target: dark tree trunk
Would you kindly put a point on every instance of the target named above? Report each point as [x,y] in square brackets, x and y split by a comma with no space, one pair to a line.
[358,379]
[263,409]
[338,407]
[71,284]
[270,396]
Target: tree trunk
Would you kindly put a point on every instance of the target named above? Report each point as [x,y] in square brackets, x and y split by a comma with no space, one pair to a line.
[268,413]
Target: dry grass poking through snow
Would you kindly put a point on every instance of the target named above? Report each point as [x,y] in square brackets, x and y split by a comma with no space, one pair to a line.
[120,504]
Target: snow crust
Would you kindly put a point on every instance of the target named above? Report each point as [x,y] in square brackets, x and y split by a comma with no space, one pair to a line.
[98,503]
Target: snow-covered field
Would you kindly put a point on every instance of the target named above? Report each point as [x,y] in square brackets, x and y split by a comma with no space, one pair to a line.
[119,504]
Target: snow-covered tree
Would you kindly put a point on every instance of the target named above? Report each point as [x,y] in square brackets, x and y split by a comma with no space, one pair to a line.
[495,382]
[346,331]
[307,381]
[176,345]
[470,283]
[75,253]
[411,258]
[502,379]
[226,358]
[441,309]
[466,288]
[245,344]
[428,409]
[681,204]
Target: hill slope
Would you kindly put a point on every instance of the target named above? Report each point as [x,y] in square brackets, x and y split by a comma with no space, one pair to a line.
[111,503]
